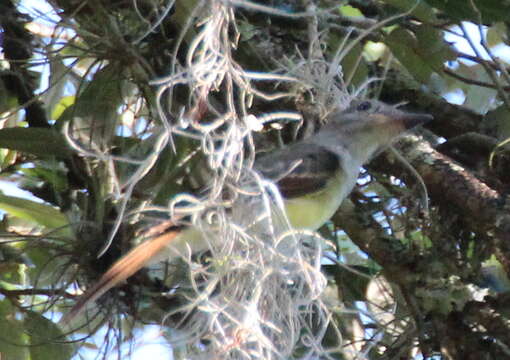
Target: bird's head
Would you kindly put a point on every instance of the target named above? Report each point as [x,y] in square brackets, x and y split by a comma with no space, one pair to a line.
[378,117]
[369,125]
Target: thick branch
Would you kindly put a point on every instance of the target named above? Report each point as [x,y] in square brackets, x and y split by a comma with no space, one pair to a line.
[449,183]
[368,235]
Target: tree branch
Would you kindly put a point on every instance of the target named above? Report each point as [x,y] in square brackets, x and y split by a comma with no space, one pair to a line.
[35,292]
[481,206]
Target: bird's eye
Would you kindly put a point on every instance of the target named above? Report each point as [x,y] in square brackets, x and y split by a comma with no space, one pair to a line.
[364,106]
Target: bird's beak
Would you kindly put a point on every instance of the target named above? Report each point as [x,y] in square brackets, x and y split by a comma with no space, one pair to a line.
[410,120]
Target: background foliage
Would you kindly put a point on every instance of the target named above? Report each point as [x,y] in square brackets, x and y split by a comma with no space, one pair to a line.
[80,130]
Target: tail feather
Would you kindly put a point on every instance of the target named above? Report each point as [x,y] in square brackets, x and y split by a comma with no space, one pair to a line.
[126,266]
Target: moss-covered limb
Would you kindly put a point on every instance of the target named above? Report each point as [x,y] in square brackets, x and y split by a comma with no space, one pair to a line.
[482,208]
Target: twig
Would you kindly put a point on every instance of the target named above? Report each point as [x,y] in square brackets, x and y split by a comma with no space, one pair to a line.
[473,81]
[35,292]
[489,71]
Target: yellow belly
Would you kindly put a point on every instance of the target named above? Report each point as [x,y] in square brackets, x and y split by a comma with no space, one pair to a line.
[304,213]
[312,211]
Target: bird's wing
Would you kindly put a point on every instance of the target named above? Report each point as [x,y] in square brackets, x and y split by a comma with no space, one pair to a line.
[299,169]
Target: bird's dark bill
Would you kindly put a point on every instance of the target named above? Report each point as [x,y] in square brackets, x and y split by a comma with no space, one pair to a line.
[411,120]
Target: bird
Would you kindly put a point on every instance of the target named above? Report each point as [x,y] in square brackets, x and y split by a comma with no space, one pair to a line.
[313,175]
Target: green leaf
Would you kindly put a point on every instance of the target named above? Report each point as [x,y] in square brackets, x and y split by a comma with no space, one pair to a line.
[405,47]
[247,30]
[497,34]
[44,264]
[35,141]
[354,66]
[489,10]
[7,100]
[96,107]
[46,339]
[433,48]
[497,123]
[373,51]
[478,98]
[7,158]
[41,214]
[47,172]
[421,10]
[12,266]
[13,339]
[348,10]
[352,283]
[64,103]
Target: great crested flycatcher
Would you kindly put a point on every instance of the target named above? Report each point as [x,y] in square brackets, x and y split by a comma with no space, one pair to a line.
[313,175]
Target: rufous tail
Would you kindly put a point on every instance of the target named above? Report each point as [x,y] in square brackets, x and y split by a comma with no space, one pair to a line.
[126,266]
